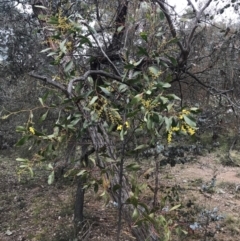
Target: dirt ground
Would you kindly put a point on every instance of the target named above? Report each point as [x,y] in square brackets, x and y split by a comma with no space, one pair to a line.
[31,210]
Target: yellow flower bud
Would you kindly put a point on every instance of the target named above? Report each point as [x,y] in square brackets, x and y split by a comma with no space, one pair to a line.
[186,112]
[31,129]
[175,128]
[127,124]
[181,117]
[191,131]
[169,138]
[119,128]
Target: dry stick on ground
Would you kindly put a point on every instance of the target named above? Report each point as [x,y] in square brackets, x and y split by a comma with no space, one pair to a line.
[86,231]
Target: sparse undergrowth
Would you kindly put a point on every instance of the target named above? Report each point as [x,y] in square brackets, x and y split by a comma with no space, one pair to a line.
[32,210]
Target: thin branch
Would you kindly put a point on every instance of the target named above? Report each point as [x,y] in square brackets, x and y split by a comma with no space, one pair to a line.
[197,19]
[99,46]
[99,21]
[190,3]
[205,6]
[90,72]
[170,23]
[120,189]
[213,90]
[50,81]
[181,94]
[198,80]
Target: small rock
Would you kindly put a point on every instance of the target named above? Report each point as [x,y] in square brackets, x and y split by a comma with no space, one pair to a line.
[215,210]
[220,191]
[194,226]
[115,204]
[9,233]
[204,188]
[216,144]
[165,209]
[21,238]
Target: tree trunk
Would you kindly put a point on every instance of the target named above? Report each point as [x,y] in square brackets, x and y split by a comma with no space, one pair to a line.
[101,141]
[79,199]
[79,202]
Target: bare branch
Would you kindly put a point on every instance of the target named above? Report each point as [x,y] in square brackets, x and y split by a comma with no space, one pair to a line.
[205,6]
[103,52]
[49,81]
[90,72]
[190,3]
[215,91]
[170,23]
[197,20]
[198,80]
[68,90]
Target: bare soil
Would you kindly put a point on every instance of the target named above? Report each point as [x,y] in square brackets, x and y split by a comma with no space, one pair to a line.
[31,210]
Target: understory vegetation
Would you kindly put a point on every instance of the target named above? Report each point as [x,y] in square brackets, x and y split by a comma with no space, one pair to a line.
[33,210]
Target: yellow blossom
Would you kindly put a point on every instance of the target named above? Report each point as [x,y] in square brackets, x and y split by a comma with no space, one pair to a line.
[127,124]
[175,128]
[146,103]
[191,131]
[181,117]
[183,129]
[31,129]
[69,45]
[169,138]
[186,112]
[119,128]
